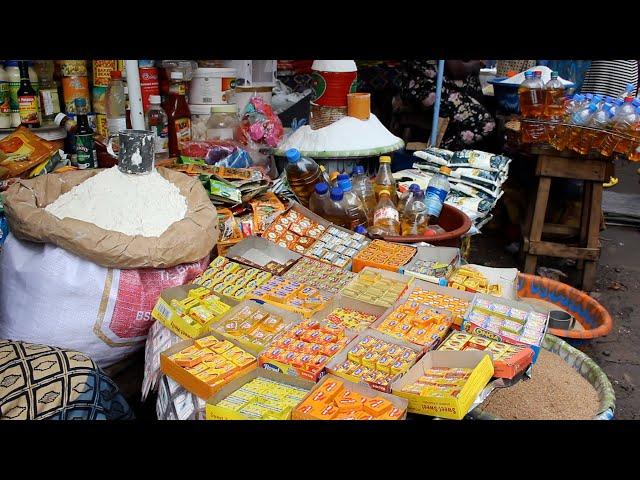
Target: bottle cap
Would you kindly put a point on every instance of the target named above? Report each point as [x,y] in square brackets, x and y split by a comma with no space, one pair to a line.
[528,74]
[414,187]
[343,176]
[578,97]
[59,118]
[445,170]
[333,176]
[361,230]
[176,75]
[589,96]
[638,111]
[636,102]
[630,87]
[322,188]
[554,74]
[628,99]
[537,73]
[80,102]
[155,99]
[345,184]
[593,107]
[385,191]
[385,159]
[226,108]
[293,155]
[597,98]
[358,170]
[115,74]
[322,168]
[337,194]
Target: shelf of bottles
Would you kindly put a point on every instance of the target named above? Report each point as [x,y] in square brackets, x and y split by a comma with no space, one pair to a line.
[580,139]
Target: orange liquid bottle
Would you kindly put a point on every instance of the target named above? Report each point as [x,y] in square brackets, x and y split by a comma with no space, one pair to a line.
[553,104]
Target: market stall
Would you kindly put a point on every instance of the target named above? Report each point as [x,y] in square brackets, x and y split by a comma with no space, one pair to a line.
[258,292]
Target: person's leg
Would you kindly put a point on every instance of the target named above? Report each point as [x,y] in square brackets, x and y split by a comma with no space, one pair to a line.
[469,123]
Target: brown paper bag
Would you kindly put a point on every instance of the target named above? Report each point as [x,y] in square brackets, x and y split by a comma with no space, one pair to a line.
[185,241]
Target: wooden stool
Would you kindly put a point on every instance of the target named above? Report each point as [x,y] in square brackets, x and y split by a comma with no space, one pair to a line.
[566,164]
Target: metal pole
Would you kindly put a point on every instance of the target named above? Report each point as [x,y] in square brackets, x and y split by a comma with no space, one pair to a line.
[135,95]
[436,105]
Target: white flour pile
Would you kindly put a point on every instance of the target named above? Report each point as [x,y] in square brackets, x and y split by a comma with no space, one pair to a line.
[348,133]
[132,204]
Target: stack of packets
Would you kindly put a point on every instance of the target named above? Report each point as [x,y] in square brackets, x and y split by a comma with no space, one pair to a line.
[384,255]
[508,324]
[328,279]
[302,235]
[439,382]
[508,360]
[432,268]
[264,399]
[230,231]
[212,361]
[231,279]
[469,279]
[457,306]
[351,319]
[294,231]
[251,326]
[199,309]
[337,400]
[376,289]
[306,348]
[416,322]
[290,295]
[376,361]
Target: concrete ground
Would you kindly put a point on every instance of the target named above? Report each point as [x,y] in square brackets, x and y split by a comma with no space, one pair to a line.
[618,354]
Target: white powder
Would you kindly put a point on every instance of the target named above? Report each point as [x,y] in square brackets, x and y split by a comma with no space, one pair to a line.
[131,204]
[348,133]
[334,66]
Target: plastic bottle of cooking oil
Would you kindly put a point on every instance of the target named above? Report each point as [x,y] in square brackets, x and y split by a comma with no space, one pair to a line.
[336,209]
[621,123]
[302,174]
[531,106]
[385,216]
[634,154]
[384,179]
[363,187]
[319,198]
[405,198]
[414,218]
[580,117]
[355,208]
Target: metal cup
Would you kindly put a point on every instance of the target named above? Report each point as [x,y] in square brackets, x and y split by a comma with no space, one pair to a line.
[561,319]
[136,152]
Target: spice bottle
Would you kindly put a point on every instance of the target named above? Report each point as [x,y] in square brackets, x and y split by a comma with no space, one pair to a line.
[178,114]
[86,155]
[27,99]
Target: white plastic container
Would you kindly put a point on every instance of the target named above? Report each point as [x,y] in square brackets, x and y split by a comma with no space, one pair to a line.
[242,94]
[211,86]
[199,117]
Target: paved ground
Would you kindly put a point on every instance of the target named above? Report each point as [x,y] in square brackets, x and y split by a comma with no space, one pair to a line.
[618,282]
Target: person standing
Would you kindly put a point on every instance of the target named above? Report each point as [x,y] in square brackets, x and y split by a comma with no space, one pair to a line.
[610,77]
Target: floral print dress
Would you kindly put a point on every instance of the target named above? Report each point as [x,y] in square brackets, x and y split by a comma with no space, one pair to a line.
[469,120]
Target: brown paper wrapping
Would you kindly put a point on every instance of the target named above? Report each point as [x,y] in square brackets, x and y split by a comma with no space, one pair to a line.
[185,241]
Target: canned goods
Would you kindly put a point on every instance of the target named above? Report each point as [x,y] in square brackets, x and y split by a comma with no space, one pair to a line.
[72,68]
[72,88]
[102,71]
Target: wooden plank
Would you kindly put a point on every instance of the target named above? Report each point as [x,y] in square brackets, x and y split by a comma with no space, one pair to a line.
[560,229]
[540,208]
[575,168]
[593,236]
[552,249]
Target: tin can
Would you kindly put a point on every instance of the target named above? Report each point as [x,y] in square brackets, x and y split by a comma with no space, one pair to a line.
[72,88]
[72,68]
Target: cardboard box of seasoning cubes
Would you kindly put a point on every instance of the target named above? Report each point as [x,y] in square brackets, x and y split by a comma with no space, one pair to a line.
[445,384]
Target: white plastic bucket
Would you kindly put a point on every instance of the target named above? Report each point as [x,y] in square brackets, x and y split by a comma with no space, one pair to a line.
[211,86]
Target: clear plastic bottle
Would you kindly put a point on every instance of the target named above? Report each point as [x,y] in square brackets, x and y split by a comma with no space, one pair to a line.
[384,179]
[561,134]
[115,104]
[319,198]
[325,175]
[386,217]
[634,154]
[531,106]
[49,99]
[621,122]
[414,218]
[592,139]
[223,122]
[157,121]
[580,117]
[553,98]
[302,174]
[333,178]
[628,92]
[355,208]
[363,187]
[336,209]
[405,198]
[436,193]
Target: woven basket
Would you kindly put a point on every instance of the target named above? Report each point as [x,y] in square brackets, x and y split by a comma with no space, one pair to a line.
[321,116]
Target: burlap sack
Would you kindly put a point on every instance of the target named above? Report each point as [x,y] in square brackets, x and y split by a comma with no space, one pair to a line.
[185,241]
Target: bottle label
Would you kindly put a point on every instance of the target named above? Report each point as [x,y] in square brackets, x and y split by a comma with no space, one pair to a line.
[161,135]
[434,198]
[49,101]
[28,105]
[183,130]
[178,88]
[386,213]
[13,96]
[85,152]
[5,103]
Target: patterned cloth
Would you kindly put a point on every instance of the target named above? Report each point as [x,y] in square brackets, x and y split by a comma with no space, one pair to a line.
[505,66]
[42,382]
[469,120]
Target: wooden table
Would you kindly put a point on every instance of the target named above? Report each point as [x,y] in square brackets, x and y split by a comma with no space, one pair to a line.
[593,171]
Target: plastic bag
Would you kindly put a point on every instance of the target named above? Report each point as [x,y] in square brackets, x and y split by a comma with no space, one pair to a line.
[222,153]
[259,125]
